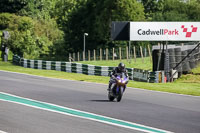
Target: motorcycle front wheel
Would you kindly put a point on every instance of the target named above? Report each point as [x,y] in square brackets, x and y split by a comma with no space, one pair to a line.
[110,97]
[119,97]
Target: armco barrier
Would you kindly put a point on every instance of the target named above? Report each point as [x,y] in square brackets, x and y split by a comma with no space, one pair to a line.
[134,74]
[156,77]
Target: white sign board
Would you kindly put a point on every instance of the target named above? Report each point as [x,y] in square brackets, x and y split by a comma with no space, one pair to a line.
[165,31]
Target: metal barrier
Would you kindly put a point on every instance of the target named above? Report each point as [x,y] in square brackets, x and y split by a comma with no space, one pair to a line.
[134,74]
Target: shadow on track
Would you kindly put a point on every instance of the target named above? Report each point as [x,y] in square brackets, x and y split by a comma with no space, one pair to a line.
[100,101]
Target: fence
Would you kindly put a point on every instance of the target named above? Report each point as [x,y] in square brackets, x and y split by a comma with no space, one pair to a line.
[112,54]
[134,74]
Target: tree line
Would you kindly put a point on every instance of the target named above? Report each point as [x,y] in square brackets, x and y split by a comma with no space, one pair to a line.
[54,28]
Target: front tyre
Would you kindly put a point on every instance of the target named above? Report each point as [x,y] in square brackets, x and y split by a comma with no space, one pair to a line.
[119,97]
[110,97]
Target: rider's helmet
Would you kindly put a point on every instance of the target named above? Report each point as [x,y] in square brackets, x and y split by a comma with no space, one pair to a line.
[121,66]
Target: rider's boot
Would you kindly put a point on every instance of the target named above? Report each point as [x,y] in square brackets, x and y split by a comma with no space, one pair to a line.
[109,87]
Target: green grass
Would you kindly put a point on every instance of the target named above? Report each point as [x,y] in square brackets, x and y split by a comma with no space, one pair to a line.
[196,71]
[188,84]
[146,64]
[175,87]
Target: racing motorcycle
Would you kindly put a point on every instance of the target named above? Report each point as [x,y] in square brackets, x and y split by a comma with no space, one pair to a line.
[118,87]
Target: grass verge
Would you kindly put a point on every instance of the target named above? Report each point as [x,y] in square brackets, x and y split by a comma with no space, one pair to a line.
[189,84]
[140,63]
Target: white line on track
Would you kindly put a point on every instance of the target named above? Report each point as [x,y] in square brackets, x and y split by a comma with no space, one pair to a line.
[78,113]
[2,131]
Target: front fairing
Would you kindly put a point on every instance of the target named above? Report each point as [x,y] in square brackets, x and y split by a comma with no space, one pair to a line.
[121,82]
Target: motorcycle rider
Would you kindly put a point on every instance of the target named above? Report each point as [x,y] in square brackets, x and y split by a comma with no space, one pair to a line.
[120,69]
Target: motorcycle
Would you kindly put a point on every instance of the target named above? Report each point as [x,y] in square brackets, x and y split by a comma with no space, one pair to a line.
[118,87]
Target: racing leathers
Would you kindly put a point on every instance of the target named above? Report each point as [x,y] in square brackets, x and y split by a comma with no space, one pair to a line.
[113,75]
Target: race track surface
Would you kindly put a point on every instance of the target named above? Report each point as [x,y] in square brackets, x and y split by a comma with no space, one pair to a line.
[170,112]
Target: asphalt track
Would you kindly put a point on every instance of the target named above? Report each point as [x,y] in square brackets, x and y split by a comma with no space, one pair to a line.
[170,112]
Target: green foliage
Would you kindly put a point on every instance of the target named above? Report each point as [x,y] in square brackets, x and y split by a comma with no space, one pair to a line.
[5,19]
[94,17]
[25,23]
[30,38]
[62,10]
[41,9]
[150,6]
[12,6]
[35,25]
[176,10]
[194,10]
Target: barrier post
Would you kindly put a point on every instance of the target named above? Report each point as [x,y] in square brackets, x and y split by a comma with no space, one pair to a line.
[89,55]
[78,56]
[150,53]
[134,53]
[113,53]
[120,53]
[94,55]
[100,54]
[126,52]
[106,53]
[141,54]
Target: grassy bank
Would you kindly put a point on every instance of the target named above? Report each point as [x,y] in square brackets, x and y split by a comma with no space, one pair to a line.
[145,64]
[188,84]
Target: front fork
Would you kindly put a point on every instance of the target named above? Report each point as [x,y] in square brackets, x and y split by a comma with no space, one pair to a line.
[122,87]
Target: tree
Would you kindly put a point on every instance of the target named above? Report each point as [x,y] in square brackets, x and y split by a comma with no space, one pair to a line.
[194,10]
[62,10]
[30,38]
[150,7]
[34,35]
[12,6]
[95,18]
[40,9]
[177,10]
